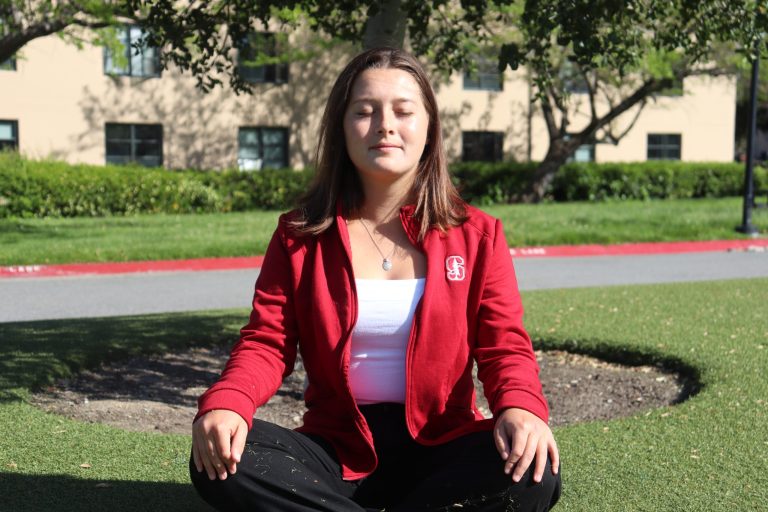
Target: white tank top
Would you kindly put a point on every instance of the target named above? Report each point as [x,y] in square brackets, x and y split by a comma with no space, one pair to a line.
[380,338]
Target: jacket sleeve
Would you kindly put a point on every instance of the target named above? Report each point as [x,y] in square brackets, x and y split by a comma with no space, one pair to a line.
[506,363]
[266,350]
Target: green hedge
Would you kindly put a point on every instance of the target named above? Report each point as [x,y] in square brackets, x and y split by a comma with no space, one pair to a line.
[46,188]
[271,189]
[57,189]
[488,183]
[484,183]
[652,180]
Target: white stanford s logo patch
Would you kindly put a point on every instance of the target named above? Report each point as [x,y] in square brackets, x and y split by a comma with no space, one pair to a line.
[454,268]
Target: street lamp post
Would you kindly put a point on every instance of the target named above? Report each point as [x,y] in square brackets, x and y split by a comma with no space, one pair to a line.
[746,226]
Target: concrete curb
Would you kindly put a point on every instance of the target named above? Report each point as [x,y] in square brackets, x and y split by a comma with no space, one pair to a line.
[234,263]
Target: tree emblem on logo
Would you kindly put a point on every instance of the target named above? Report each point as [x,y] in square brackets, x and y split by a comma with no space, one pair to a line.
[454,268]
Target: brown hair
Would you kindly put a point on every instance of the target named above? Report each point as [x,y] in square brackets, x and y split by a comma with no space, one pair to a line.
[438,204]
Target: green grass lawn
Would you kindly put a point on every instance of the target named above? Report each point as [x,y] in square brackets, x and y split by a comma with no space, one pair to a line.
[152,237]
[707,454]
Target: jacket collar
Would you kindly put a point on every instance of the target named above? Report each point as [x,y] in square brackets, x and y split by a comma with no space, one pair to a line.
[407,218]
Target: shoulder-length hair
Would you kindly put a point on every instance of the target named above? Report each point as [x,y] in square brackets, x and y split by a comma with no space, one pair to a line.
[437,203]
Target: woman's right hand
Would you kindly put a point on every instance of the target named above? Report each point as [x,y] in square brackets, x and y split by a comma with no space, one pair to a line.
[218,440]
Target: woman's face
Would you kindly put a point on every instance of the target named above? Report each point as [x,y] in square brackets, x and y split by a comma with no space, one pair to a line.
[385,125]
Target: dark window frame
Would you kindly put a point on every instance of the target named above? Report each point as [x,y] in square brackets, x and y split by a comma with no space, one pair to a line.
[480,146]
[573,81]
[677,89]
[134,142]
[8,65]
[589,147]
[14,145]
[266,73]
[487,77]
[129,54]
[260,131]
[666,146]
[584,147]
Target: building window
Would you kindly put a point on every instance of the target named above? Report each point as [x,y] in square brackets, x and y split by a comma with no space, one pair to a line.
[664,146]
[257,48]
[572,78]
[676,89]
[9,135]
[482,146]
[262,148]
[486,78]
[8,65]
[135,143]
[584,153]
[144,62]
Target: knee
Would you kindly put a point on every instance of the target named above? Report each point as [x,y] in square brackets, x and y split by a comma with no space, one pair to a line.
[217,493]
[551,486]
[537,496]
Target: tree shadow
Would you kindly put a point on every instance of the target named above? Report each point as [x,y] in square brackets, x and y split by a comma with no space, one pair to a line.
[34,354]
[63,493]
[491,106]
[200,130]
[689,376]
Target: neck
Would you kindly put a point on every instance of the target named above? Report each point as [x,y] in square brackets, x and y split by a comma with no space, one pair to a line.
[383,203]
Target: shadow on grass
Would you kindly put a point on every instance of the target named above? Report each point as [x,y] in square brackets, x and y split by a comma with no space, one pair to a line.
[58,493]
[687,375]
[34,354]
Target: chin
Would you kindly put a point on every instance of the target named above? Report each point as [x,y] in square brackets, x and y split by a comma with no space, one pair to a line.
[389,171]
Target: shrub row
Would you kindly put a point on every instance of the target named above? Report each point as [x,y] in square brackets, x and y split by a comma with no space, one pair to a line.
[484,183]
[45,188]
[652,180]
[57,189]
[271,189]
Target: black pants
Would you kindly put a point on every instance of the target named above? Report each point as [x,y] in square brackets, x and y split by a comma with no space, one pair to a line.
[286,471]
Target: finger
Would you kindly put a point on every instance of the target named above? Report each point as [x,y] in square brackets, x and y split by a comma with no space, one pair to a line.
[196,457]
[205,458]
[519,442]
[522,464]
[554,454]
[541,461]
[502,442]
[238,444]
[220,445]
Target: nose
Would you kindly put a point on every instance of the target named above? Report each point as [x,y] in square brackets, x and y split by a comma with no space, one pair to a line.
[385,123]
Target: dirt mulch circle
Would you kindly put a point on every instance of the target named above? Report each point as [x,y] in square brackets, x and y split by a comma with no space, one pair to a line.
[159,393]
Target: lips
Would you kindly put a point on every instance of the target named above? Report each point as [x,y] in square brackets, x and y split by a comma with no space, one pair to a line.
[385,146]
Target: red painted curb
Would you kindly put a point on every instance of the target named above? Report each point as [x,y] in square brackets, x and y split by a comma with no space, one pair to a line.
[202,264]
[640,248]
[74,269]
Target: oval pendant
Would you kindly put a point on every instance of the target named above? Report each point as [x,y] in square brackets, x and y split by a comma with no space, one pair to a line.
[386,264]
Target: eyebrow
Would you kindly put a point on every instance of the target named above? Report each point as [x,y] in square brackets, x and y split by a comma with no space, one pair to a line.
[367,99]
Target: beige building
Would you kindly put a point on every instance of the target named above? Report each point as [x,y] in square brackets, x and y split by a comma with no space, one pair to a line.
[85,105]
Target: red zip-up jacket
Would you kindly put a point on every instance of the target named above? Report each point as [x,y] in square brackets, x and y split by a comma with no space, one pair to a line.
[305,298]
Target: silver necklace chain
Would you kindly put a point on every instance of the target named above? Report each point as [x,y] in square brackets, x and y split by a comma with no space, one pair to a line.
[386,262]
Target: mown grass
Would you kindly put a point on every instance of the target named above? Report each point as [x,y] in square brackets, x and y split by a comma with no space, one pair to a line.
[153,237]
[706,454]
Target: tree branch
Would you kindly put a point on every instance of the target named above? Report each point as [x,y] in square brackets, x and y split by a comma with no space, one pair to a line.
[609,137]
[641,94]
[590,92]
[549,117]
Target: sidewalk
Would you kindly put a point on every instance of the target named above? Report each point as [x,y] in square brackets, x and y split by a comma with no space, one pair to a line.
[253,262]
[195,285]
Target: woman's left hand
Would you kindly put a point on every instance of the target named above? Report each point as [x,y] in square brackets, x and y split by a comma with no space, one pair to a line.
[522,436]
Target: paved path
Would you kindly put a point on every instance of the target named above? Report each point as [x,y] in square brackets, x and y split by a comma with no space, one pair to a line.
[137,293]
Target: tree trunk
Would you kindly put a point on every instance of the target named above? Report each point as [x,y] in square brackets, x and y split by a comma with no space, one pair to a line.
[557,155]
[386,27]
